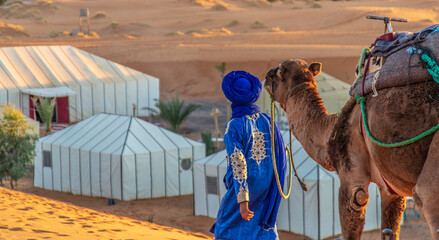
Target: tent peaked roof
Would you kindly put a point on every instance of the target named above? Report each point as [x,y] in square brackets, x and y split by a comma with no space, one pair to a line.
[116,134]
[328,83]
[59,66]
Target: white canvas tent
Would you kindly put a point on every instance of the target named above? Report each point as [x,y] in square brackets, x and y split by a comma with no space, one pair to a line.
[313,214]
[98,85]
[118,157]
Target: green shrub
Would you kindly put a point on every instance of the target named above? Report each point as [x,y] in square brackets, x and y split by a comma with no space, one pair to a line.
[55,34]
[206,137]
[16,145]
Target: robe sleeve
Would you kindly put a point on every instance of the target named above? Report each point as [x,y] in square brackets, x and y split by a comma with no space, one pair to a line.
[236,160]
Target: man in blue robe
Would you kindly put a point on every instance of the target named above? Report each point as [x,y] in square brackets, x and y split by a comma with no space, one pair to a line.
[249,208]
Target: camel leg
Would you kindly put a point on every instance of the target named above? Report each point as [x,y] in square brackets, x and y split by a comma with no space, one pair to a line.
[426,190]
[392,208]
[353,198]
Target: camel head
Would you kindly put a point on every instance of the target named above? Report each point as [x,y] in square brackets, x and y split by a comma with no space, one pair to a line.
[281,80]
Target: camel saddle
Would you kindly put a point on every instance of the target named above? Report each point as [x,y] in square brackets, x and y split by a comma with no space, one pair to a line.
[395,61]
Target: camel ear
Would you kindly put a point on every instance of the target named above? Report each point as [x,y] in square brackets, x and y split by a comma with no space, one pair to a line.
[315,68]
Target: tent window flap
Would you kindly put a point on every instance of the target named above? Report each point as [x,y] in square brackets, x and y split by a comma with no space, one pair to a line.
[47,160]
[186,164]
[212,185]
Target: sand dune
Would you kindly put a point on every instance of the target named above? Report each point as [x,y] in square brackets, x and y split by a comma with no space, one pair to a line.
[25,216]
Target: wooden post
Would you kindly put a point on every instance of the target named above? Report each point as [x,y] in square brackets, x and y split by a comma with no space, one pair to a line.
[84,12]
[215,113]
[134,109]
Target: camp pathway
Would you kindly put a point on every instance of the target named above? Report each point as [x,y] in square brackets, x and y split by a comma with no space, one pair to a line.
[26,216]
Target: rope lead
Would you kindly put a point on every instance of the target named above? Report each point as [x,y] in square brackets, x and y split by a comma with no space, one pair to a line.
[361,101]
[290,156]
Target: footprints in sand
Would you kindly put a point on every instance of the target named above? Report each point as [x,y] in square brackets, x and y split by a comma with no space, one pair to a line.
[16,229]
[42,231]
[25,209]
[49,232]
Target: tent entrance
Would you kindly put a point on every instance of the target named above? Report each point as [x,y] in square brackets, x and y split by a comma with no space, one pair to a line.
[60,115]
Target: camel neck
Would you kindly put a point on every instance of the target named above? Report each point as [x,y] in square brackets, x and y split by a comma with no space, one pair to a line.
[310,123]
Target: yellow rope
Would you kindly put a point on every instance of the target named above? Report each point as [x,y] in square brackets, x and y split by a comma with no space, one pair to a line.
[287,150]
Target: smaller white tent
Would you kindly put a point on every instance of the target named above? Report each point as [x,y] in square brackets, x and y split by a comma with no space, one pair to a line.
[118,157]
[313,213]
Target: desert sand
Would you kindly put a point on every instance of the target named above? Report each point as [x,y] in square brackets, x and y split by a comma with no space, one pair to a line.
[25,216]
[180,42]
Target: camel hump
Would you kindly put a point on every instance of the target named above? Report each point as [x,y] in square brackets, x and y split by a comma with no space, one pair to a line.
[399,62]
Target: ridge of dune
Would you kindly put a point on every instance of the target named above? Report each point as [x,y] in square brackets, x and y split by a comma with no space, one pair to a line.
[26,216]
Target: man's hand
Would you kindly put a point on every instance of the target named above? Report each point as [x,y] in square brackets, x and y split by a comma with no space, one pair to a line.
[246,214]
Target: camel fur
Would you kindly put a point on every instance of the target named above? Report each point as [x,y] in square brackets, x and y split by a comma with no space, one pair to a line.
[340,143]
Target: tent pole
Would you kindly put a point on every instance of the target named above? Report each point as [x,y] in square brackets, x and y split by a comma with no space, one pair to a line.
[303,213]
[333,208]
[318,202]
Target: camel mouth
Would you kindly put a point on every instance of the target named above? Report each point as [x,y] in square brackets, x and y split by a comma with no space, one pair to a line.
[269,80]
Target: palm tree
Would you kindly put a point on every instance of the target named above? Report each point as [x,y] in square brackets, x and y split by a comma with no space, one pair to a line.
[45,108]
[221,68]
[173,111]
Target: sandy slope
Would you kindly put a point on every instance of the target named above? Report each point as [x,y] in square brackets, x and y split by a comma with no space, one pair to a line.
[25,213]
[25,216]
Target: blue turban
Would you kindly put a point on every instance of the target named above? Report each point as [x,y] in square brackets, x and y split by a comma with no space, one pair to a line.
[242,89]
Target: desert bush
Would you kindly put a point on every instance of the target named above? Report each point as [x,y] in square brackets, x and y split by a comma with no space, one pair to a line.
[135,34]
[259,3]
[142,24]
[55,34]
[100,14]
[3,2]
[258,24]
[16,145]
[220,7]
[47,3]
[93,34]
[17,28]
[232,23]
[42,20]
[114,24]
[316,5]
[175,33]
[276,29]
[221,69]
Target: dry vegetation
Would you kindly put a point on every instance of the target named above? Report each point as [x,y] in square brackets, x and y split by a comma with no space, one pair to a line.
[36,10]
[12,30]
[209,32]
[100,14]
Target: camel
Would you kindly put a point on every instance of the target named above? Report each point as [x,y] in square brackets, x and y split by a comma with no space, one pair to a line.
[338,142]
